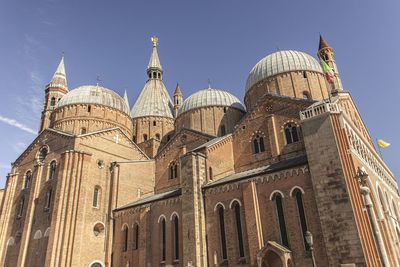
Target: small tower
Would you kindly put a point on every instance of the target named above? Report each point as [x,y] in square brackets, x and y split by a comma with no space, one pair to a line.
[55,90]
[178,99]
[326,53]
[154,69]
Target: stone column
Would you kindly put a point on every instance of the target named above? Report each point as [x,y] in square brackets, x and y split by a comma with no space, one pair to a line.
[253,220]
[30,213]
[7,205]
[193,175]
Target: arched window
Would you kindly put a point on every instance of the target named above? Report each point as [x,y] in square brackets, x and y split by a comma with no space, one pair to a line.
[291,133]
[136,236]
[154,75]
[300,208]
[175,230]
[52,102]
[42,154]
[125,238]
[134,138]
[304,75]
[239,231]
[48,199]
[53,167]
[96,264]
[98,228]
[277,198]
[159,75]
[154,123]
[89,108]
[221,221]
[20,209]
[28,179]
[222,130]
[258,144]
[163,237]
[145,137]
[158,137]
[225,109]
[210,173]
[83,130]
[96,197]
[173,170]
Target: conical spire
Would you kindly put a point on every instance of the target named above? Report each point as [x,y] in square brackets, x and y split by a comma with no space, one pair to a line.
[322,43]
[59,79]
[178,90]
[154,63]
[126,98]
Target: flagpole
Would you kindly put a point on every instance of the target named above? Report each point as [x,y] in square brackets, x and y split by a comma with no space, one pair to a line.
[379,148]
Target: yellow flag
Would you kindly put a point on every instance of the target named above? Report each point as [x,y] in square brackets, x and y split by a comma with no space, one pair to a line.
[383,144]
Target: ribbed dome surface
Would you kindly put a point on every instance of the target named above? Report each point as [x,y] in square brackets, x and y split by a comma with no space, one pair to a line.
[93,94]
[211,97]
[280,62]
[153,101]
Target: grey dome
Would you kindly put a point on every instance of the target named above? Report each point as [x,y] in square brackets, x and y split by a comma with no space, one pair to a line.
[211,97]
[280,62]
[153,101]
[94,94]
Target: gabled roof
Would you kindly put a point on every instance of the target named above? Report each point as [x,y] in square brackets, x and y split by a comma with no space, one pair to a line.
[180,132]
[117,129]
[274,167]
[36,140]
[152,198]
[213,142]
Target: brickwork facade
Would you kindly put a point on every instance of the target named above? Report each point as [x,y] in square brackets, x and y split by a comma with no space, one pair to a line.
[99,187]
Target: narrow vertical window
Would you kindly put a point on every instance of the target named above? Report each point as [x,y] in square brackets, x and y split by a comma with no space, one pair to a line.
[96,195]
[163,240]
[223,130]
[125,239]
[300,208]
[20,207]
[173,170]
[176,237]
[222,232]
[154,123]
[48,199]
[53,167]
[28,179]
[281,219]
[145,137]
[89,108]
[136,237]
[158,137]
[210,173]
[239,232]
[52,102]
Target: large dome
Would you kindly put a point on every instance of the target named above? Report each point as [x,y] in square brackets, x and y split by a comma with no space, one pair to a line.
[94,94]
[280,62]
[211,97]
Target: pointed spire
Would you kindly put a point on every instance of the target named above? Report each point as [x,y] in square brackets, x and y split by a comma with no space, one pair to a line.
[322,43]
[126,98]
[59,79]
[154,62]
[178,90]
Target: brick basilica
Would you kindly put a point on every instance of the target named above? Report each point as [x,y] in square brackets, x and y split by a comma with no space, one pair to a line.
[290,178]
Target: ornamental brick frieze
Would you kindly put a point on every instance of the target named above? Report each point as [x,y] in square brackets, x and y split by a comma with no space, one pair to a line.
[273,177]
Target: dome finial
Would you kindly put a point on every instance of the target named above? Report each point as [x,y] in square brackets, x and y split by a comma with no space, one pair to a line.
[98,80]
[154,40]
[209,84]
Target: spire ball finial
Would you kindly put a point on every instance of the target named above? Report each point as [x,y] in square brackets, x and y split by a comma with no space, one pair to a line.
[154,40]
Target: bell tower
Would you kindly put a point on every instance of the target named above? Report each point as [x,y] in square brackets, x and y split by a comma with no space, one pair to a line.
[55,90]
[326,53]
[178,99]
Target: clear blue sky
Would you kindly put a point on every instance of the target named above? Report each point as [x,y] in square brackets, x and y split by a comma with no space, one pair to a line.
[199,40]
